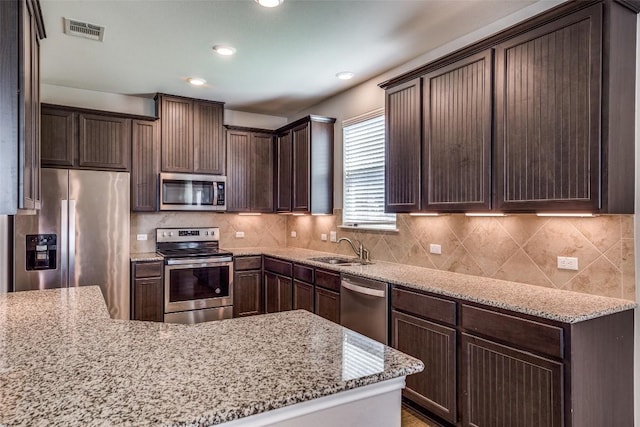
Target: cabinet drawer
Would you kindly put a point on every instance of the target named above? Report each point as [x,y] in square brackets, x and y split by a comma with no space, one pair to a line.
[247,263]
[426,306]
[546,339]
[277,266]
[303,273]
[328,280]
[147,269]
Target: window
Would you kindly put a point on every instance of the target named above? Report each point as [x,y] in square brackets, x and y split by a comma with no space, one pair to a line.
[363,200]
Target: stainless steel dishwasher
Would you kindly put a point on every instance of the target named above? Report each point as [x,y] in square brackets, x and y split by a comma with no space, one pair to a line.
[364,307]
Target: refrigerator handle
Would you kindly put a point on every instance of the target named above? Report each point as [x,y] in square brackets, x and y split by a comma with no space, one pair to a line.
[64,243]
[72,243]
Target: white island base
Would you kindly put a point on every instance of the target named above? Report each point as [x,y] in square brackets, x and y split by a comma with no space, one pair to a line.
[375,405]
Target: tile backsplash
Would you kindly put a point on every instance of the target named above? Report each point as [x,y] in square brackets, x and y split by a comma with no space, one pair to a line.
[262,230]
[521,248]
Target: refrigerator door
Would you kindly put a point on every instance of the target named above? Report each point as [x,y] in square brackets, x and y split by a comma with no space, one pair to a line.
[51,219]
[99,235]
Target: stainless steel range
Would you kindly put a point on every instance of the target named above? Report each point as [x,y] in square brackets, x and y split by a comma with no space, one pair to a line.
[198,277]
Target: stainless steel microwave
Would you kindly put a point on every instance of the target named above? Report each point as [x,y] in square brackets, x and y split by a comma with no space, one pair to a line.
[189,192]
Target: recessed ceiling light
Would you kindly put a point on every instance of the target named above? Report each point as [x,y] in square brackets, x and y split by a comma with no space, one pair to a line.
[269,3]
[224,50]
[345,75]
[196,81]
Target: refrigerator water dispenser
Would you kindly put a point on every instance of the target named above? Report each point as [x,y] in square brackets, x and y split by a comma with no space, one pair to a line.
[41,251]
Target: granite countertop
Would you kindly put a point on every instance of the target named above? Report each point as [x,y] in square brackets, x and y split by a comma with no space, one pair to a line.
[64,362]
[145,256]
[548,303]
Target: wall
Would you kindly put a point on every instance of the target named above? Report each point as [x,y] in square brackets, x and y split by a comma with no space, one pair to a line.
[142,105]
[520,248]
[262,230]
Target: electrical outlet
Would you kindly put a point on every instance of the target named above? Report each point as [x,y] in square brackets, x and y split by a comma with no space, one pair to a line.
[567,263]
[323,237]
[435,249]
[333,236]
[239,234]
[141,237]
[294,234]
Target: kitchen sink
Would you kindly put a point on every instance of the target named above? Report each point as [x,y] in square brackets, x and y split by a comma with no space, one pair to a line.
[336,260]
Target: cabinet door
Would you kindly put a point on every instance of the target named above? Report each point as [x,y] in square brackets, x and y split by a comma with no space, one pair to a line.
[208,138]
[261,173]
[301,167]
[457,135]
[548,116]
[176,115]
[145,144]
[278,292]
[403,148]
[104,142]
[435,387]
[507,387]
[238,182]
[327,304]
[247,293]
[29,133]
[302,296]
[59,137]
[148,300]
[284,174]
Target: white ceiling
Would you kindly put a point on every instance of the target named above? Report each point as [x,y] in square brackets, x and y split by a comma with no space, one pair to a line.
[286,59]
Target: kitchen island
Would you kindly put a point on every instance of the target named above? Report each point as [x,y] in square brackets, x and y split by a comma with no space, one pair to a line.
[63,361]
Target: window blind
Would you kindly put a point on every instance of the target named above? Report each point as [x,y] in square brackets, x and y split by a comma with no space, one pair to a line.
[363,164]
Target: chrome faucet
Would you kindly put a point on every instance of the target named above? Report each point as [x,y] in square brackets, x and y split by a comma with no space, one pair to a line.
[363,254]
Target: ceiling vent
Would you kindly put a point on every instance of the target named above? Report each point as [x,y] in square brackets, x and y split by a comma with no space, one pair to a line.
[85,30]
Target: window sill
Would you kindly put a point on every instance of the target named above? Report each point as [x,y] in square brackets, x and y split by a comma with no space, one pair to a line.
[370,227]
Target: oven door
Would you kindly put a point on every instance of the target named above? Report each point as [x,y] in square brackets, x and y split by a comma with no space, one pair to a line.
[195,284]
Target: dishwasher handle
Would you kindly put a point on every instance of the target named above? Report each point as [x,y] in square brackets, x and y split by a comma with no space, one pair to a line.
[363,290]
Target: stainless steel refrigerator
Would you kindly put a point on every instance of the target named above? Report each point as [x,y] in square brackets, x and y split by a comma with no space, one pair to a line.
[88,212]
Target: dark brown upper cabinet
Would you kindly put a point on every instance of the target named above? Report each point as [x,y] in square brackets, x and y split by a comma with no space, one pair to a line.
[563,119]
[85,139]
[145,165]
[192,137]
[284,176]
[20,33]
[457,135]
[250,162]
[304,166]
[548,116]
[403,147]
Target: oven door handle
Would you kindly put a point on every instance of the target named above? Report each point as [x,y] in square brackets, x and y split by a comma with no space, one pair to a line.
[190,263]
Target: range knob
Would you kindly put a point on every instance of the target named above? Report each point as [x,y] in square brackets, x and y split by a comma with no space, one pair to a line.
[171,234]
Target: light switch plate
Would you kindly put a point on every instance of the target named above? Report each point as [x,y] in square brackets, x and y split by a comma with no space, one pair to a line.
[323,237]
[141,236]
[294,234]
[239,234]
[435,249]
[333,236]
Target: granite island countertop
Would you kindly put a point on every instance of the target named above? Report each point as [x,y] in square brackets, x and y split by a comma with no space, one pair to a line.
[64,362]
[548,303]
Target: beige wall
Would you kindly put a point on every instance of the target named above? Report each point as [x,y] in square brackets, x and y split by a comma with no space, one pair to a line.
[521,248]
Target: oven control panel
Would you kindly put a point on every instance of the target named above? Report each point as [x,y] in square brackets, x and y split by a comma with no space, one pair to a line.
[197,234]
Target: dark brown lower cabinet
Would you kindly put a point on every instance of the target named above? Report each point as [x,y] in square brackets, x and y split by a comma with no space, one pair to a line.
[327,304]
[302,296]
[502,386]
[435,387]
[278,292]
[247,293]
[147,291]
